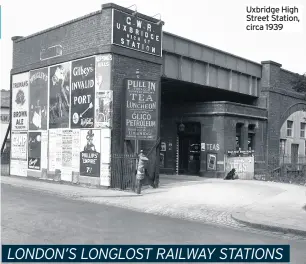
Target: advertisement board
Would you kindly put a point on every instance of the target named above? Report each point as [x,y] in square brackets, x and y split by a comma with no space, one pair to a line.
[82,93]
[136,33]
[19,146]
[20,101]
[104,95]
[38,99]
[244,166]
[90,152]
[59,96]
[34,153]
[141,109]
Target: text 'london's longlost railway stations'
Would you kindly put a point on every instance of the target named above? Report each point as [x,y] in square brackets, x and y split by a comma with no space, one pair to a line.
[89,94]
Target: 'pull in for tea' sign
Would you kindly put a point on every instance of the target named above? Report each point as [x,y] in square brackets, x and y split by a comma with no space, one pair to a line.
[141,106]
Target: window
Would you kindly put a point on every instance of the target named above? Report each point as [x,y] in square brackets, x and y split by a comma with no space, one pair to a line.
[289,128]
[282,147]
[251,141]
[303,128]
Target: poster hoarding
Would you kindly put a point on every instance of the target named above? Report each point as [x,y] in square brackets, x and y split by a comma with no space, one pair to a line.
[44,150]
[141,109]
[38,99]
[104,109]
[20,101]
[76,150]
[66,171]
[244,166]
[19,146]
[90,152]
[136,33]
[34,151]
[104,95]
[82,93]
[59,96]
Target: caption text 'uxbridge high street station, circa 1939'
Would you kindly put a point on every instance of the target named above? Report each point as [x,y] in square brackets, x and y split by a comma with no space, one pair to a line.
[88,94]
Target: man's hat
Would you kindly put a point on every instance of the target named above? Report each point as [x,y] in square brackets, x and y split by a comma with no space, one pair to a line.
[90,135]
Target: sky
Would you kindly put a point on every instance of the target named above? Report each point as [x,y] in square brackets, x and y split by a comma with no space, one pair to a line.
[217,23]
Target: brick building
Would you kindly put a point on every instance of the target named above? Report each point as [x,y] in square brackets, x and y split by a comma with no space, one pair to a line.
[207,102]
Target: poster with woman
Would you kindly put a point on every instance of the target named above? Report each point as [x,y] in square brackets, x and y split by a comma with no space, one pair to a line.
[59,96]
[90,153]
[38,99]
[34,147]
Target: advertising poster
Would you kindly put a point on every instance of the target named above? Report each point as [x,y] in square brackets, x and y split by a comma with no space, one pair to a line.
[141,116]
[20,103]
[34,147]
[19,168]
[18,163]
[66,171]
[90,153]
[104,109]
[59,96]
[211,162]
[141,35]
[76,150]
[38,99]
[83,93]
[44,149]
[244,166]
[52,150]
[103,72]
[104,97]
[19,145]
[105,178]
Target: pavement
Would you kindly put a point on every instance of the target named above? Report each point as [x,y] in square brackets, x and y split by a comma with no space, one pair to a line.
[275,207]
[32,216]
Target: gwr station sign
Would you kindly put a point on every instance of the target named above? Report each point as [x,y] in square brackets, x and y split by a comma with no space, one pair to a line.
[141,109]
[136,33]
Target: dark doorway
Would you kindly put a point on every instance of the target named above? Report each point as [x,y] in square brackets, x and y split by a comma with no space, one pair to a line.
[189,148]
[294,153]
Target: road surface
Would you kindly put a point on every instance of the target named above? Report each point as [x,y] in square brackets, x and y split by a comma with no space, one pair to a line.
[35,217]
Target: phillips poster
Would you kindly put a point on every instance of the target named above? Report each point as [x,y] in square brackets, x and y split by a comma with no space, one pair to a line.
[20,103]
[59,96]
[90,153]
[34,156]
[83,93]
[38,97]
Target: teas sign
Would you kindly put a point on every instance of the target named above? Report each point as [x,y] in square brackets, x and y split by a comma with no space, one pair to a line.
[141,117]
[244,166]
[136,33]
[20,103]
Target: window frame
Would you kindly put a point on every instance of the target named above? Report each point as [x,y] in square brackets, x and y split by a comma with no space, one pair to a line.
[289,128]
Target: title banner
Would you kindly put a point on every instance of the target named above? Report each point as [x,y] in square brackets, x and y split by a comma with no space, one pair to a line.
[136,33]
[146,253]
[141,104]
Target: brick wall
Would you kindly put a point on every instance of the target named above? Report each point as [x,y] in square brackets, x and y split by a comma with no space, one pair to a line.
[282,101]
[218,126]
[79,38]
[125,67]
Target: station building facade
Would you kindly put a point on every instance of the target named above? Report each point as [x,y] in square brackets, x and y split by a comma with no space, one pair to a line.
[112,82]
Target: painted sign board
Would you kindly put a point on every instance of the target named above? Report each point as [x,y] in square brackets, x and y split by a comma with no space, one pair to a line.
[244,166]
[141,109]
[136,33]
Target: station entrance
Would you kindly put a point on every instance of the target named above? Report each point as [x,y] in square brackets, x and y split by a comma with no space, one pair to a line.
[189,150]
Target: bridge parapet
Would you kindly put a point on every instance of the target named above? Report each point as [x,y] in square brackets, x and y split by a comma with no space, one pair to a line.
[196,63]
